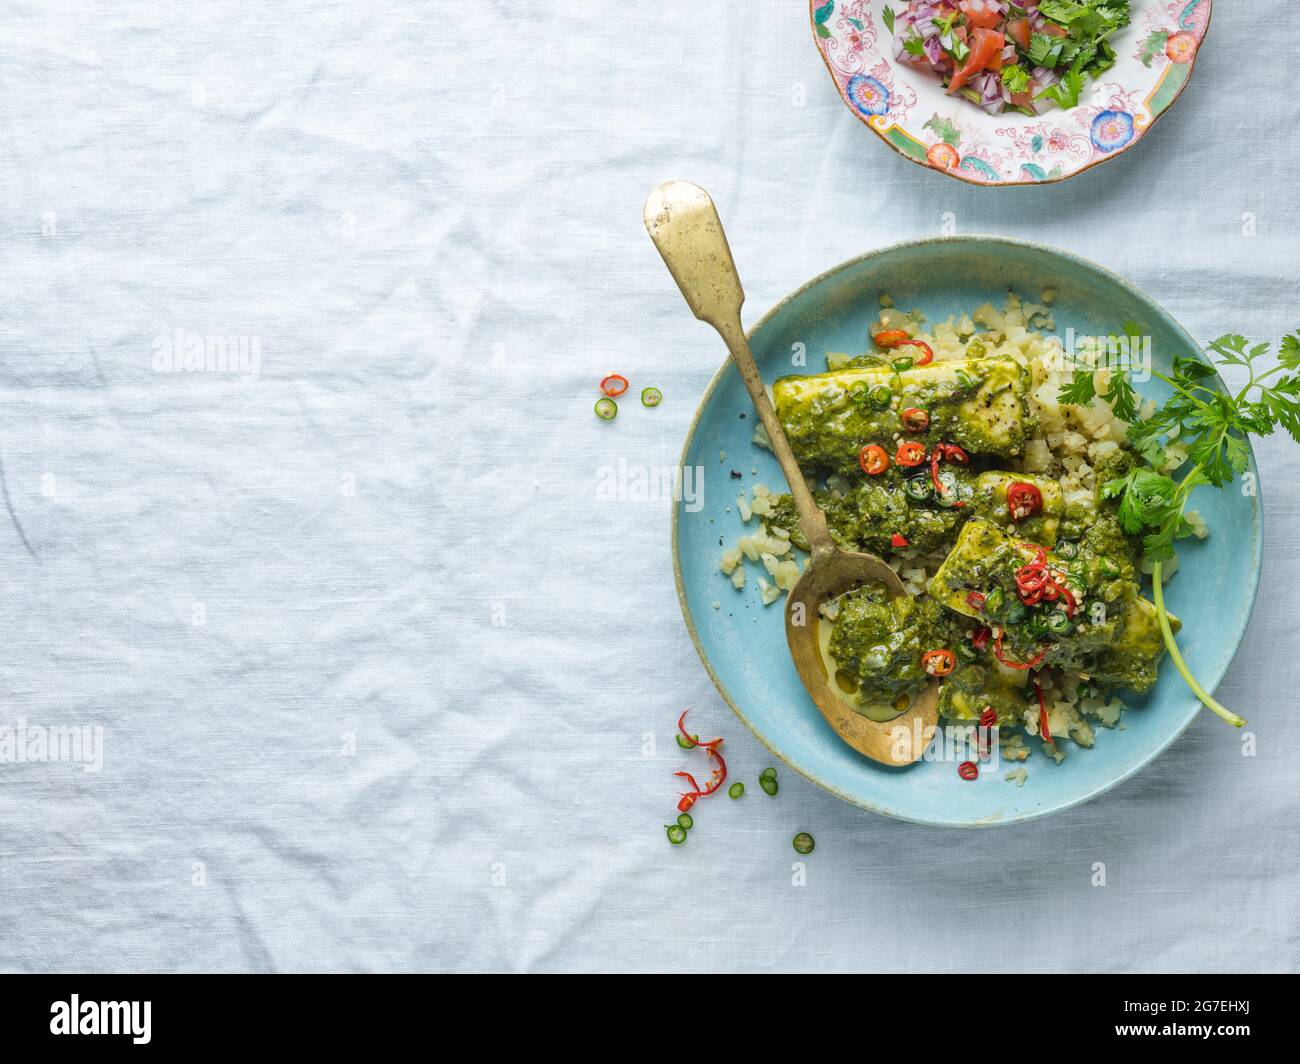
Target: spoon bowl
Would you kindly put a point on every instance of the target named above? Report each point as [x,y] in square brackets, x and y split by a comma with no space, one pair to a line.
[900,741]
[684,225]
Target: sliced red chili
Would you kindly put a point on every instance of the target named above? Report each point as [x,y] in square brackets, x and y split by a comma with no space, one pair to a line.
[989,717]
[975,600]
[927,353]
[1043,729]
[968,770]
[873,459]
[719,774]
[938,662]
[1021,665]
[1039,553]
[688,799]
[614,385]
[915,419]
[910,453]
[980,639]
[1023,500]
[694,740]
[1036,582]
[898,540]
[891,338]
[1071,604]
[718,778]
[1031,578]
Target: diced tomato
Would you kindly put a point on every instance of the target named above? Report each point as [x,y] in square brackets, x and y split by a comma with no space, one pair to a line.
[1018,28]
[1026,98]
[1053,30]
[986,48]
[981,13]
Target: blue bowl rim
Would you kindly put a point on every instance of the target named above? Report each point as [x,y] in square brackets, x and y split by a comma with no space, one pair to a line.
[1193,703]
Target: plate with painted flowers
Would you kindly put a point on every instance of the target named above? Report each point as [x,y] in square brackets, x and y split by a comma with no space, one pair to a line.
[1001,93]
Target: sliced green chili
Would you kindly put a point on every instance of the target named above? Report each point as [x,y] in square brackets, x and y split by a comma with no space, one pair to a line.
[676,834]
[1058,622]
[881,397]
[767,780]
[686,821]
[606,408]
[918,488]
[804,843]
[684,742]
[651,397]
[735,790]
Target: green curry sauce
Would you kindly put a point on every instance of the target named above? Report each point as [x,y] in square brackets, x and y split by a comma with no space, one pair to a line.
[1095,624]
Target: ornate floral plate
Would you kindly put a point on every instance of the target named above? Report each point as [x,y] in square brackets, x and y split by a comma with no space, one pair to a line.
[909,110]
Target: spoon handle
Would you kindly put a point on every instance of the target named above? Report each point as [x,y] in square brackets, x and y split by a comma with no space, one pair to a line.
[684,225]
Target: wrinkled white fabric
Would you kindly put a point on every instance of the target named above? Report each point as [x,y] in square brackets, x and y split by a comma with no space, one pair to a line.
[374,668]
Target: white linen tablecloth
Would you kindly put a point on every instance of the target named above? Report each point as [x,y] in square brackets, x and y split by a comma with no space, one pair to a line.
[373,667]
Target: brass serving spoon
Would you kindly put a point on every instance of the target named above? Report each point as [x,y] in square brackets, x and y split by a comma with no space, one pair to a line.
[684,225]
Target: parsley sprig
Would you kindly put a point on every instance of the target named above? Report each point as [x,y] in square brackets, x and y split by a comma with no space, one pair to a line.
[1213,425]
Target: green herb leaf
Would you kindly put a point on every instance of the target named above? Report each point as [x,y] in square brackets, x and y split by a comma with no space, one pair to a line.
[1066,91]
[1045,51]
[1146,498]
[1120,395]
[1289,356]
[1015,78]
[1081,390]
[887,17]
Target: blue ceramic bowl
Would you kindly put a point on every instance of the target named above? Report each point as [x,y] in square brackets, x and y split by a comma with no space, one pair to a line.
[742,644]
